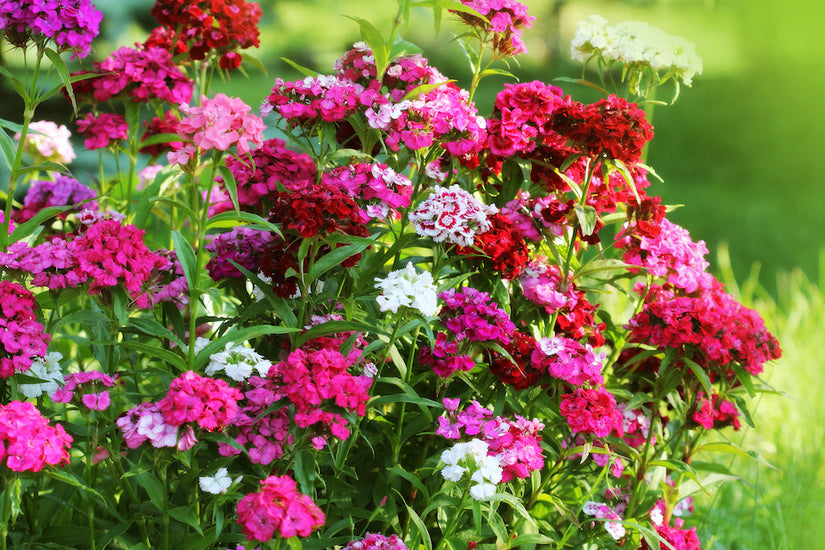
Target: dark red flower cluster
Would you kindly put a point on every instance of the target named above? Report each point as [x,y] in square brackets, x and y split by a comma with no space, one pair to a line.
[201,26]
[518,371]
[611,126]
[502,247]
[166,125]
[318,208]
[712,323]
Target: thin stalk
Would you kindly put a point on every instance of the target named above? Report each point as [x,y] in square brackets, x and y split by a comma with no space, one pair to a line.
[454,520]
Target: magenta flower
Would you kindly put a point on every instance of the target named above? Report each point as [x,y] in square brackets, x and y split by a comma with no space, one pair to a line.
[278,506]
[28,442]
[71,24]
[102,130]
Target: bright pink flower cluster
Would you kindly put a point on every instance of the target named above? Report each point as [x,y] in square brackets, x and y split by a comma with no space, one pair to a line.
[676,536]
[272,164]
[102,130]
[568,360]
[21,335]
[242,245]
[521,116]
[88,384]
[28,442]
[210,402]
[453,215]
[531,216]
[506,20]
[671,254]
[104,254]
[715,411]
[592,411]
[142,74]
[316,376]
[278,506]
[377,184]
[469,316]
[611,126]
[63,191]
[376,541]
[262,432]
[218,123]
[515,443]
[201,26]
[501,245]
[168,283]
[324,97]
[71,24]
[713,323]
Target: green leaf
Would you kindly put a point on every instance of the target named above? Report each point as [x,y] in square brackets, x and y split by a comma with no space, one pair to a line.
[9,149]
[587,217]
[376,43]
[186,257]
[423,532]
[26,229]
[166,356]
[402,48]
[159,138]
[151,327]
[423,89]
[700,374]
[334,258]
[730,448]
[153,486]
[230,184]
[300,68]
[187,515]
[581,81]
[515,503]
[412,478]
[63,72]
[254,221]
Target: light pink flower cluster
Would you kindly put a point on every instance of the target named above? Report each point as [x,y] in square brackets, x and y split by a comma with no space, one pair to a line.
[88,384]
[28,442]
[218,123]
[377,184]
[671,254]
[506,19]
[146,422]
[516,444]
[241,245]
[603,511]
[453,215]
[403,75]
[71,24]
[377,541]
[568,360]
[21,335]
[278,506]
[324,97]
[46,141]
[63,191]
[541,283]
[102,130]
[592,411]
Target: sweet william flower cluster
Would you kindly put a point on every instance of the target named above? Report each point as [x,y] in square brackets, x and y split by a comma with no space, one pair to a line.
[366,316]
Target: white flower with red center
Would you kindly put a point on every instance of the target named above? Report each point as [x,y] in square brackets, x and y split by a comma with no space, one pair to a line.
[453,215]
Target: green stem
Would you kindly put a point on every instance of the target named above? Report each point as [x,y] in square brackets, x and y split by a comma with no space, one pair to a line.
[454,520]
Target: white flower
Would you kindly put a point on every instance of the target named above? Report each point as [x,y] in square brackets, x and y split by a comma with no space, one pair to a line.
[452,215]
[237,362]
[405,287]
[218,483]
[453,472]
[482,491]
[46,369]
[471,456]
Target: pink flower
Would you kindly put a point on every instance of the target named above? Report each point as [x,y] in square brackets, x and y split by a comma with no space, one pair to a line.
[592,411]
[27,441]
[278,506]
[102,130]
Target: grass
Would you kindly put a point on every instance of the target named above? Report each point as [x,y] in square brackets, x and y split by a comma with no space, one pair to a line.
[780,508]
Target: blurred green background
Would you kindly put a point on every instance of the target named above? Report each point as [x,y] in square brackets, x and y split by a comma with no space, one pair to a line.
[742,148]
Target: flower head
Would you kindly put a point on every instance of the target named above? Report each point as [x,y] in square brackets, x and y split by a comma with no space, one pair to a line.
[407,288]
